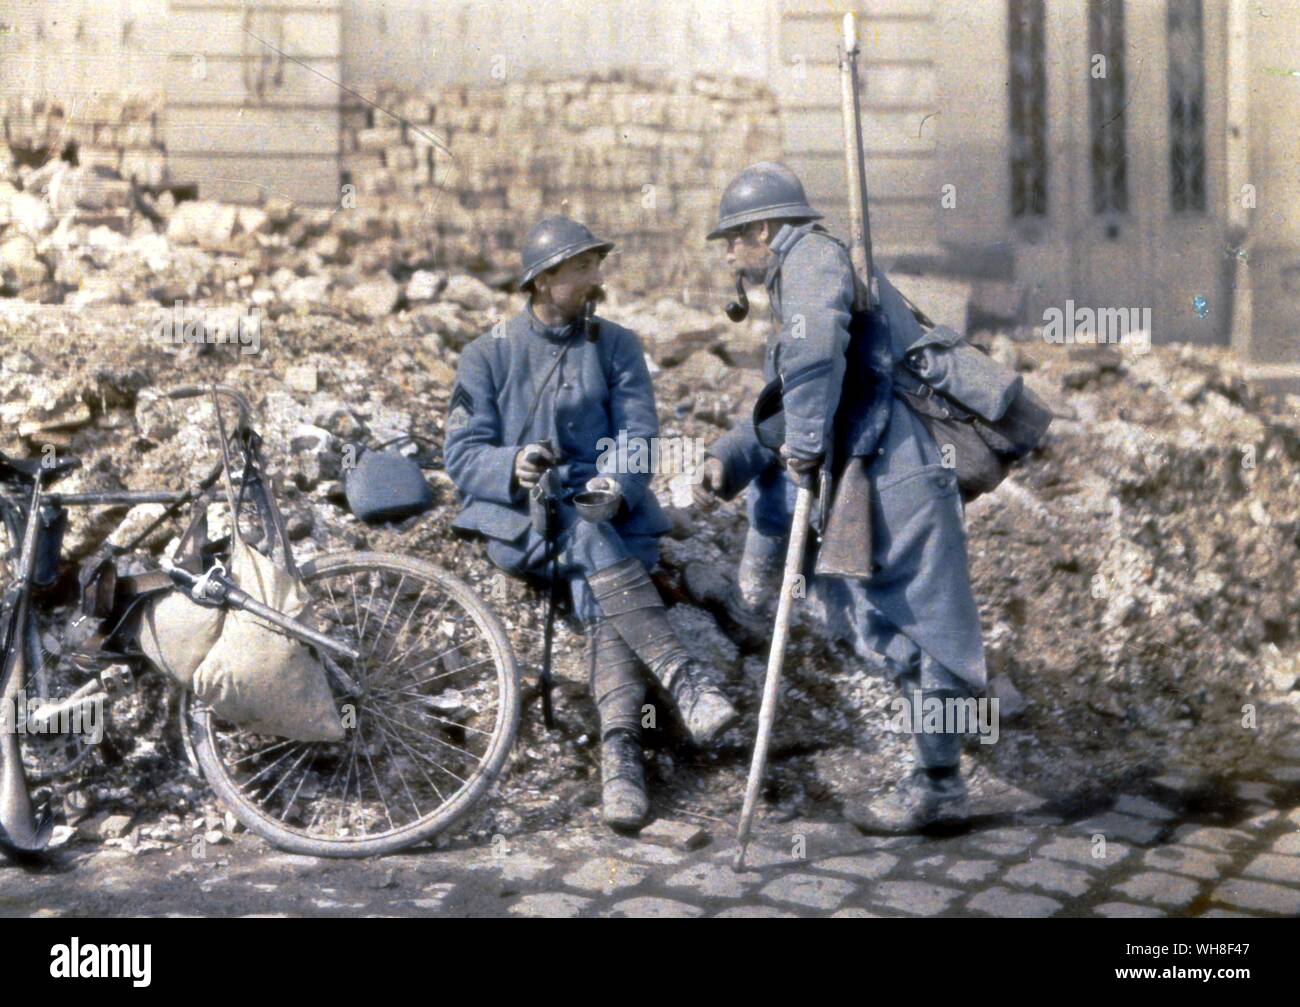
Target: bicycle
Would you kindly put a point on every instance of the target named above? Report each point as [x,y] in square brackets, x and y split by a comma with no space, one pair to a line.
[422,666]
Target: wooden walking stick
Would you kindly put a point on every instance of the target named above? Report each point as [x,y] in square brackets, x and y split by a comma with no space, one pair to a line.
[772,685]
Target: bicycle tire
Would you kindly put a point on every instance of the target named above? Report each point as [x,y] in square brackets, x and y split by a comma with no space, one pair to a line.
[205,729]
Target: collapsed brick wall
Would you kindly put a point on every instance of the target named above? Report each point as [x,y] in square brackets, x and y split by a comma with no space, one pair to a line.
[640,160]
[120,132]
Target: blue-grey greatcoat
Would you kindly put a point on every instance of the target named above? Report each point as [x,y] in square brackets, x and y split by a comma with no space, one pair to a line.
[598,391]
[918,610]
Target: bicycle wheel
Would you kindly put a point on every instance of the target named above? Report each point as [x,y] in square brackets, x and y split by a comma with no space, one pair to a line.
[428,732]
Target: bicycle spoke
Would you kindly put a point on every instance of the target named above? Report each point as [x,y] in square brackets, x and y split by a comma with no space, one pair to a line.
[406,624]
[391,605]
[447,744]
[398,770]
[267,769]
[478,712]
[294,796]
[361,634]
[431,623]
[401,741]
[347,777]
[454,671]
[444,720]
[356,614]
[320,806]
[379,788]
[430,759]
[261,751]
[271,793]
[334,602]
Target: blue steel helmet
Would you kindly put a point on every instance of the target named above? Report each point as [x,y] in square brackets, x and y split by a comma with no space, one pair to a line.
[554,240]
[762,191]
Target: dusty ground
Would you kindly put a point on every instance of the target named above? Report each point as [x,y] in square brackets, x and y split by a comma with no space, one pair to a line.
[1133,580]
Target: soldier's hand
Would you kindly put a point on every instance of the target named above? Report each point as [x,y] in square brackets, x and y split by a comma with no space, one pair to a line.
[802,468]
[708,485]
[530,463]
[604,484]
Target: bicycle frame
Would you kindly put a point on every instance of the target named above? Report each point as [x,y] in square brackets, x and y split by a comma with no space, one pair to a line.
[214,585]
[23,831]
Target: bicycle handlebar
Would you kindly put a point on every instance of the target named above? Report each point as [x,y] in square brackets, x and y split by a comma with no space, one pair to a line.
[194,391]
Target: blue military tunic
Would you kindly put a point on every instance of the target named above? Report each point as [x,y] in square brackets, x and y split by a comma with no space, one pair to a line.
[597,391]
[919,610]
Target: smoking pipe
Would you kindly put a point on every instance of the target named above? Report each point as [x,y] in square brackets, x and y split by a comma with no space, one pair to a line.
[591,327]
[738,309]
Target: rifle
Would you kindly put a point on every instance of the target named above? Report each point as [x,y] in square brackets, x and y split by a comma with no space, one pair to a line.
[854,156]
[846,541]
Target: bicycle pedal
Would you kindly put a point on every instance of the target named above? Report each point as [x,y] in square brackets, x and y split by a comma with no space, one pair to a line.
[117,679]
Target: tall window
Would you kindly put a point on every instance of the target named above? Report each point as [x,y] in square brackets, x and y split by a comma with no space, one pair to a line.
[1028,94]
[1106,106]
[1186,106]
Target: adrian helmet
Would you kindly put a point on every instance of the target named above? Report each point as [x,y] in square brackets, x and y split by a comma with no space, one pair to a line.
[552,241]
[761,192]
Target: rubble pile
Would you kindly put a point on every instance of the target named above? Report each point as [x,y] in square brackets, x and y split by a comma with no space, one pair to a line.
[1136,580]
[83,237]
[454,187]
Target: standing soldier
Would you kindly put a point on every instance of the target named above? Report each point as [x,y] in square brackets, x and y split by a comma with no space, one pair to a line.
[916,609]
[541,394]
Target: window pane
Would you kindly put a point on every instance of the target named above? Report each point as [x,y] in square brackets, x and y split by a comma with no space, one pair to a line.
[1028,94]
[1106,106]
[1186,106]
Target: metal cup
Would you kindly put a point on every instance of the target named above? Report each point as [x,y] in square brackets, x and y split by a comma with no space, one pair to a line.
[596,505]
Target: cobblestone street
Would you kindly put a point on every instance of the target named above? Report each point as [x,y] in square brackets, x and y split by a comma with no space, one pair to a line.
[1174,853]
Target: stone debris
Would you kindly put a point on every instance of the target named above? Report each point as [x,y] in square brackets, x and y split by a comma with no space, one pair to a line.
[679,835]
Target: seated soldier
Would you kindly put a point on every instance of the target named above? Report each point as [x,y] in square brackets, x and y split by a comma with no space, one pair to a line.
[537,395]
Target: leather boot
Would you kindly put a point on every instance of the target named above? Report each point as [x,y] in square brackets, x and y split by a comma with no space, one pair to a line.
[624,803]
[759,576]
[618,690]
[631,603]
[920,802]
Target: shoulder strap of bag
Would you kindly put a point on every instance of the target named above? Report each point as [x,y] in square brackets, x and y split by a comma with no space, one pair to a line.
[537,396]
